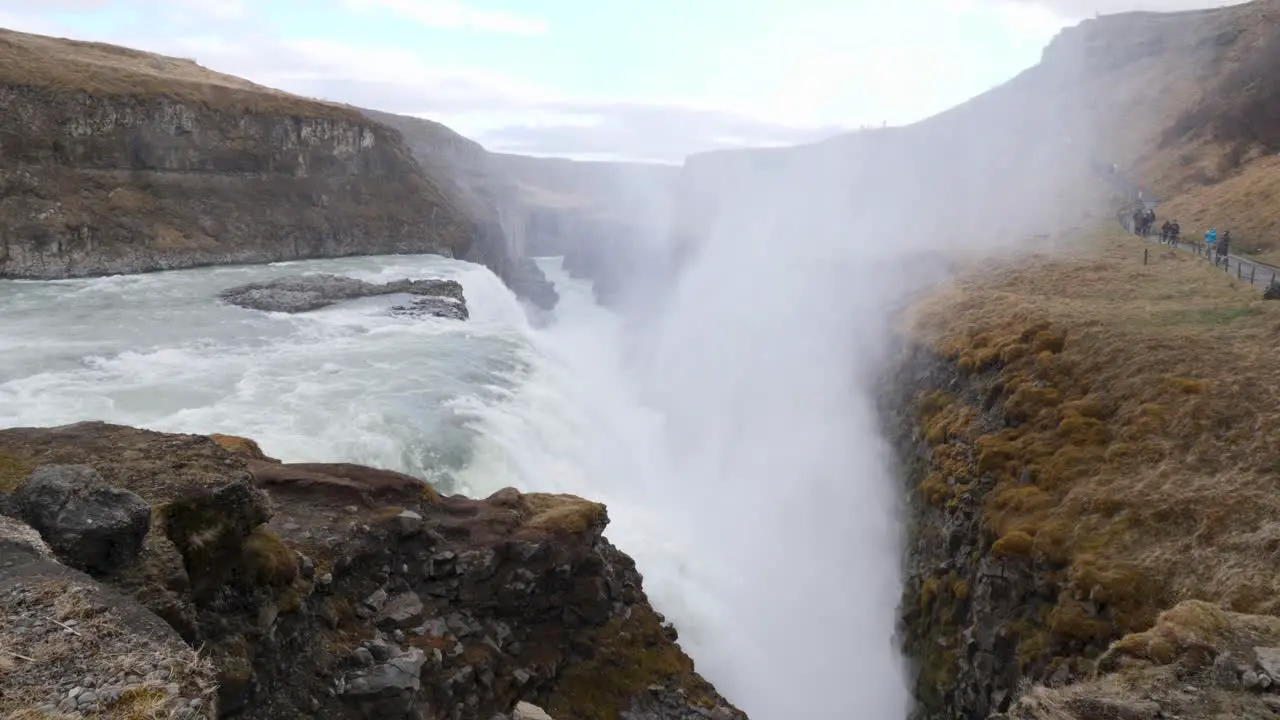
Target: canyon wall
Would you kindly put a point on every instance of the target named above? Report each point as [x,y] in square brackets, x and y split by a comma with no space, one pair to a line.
[117,161]
[604,218]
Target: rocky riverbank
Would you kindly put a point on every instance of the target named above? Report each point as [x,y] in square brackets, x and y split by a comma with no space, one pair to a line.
[311,590]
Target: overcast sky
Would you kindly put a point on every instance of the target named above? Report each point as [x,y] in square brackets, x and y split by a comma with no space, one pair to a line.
[635,79]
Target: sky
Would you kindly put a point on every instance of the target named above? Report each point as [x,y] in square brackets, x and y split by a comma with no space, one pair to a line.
[603,79]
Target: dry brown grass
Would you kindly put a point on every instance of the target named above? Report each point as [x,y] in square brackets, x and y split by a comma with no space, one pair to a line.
[109,70]
[1213,154]
[563,514]
[1169,666]
[1143,462]
[103,644]
[1242,203]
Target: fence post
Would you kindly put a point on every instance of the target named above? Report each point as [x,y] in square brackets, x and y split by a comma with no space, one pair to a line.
[1144,256]
[1239,269]
[1253,273]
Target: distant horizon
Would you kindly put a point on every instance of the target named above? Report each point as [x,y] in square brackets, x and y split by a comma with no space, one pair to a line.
[649,82]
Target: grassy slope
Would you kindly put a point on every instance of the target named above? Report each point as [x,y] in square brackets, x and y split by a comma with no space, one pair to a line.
[109,70]
[1214,156]
[1147,398]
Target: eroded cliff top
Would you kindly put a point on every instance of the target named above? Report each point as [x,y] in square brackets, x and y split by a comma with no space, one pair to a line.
[1093,444]
[338,590]
[101,69]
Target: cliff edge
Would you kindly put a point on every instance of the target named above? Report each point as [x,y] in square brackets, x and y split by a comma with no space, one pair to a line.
[119,161]
[1085,440]
[249,587]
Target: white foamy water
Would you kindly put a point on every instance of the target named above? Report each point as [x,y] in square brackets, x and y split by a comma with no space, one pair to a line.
[754,497]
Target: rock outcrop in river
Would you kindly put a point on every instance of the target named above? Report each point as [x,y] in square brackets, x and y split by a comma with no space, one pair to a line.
[313,590]
[300,293]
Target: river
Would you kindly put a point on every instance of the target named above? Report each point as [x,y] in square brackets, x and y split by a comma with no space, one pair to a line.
[732,434]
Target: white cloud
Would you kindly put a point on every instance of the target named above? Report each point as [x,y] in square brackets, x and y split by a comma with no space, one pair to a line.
[816,77]
[451,14]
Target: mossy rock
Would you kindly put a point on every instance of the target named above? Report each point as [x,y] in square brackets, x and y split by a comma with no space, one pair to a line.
[629,656]
[268,560]
[210,529]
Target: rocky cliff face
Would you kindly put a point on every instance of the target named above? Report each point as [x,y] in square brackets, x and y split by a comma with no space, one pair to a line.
[964,606]
[113,166]
[317,590]
[1006,614]
[987,610]
[608,219]
[464,167]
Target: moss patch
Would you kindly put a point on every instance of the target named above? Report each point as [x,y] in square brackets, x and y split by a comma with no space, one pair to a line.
[13,472]
[268,560]
[1118,457]
[629,656]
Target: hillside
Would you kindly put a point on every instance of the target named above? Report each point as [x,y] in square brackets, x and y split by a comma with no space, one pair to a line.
[1097,458]
[122,161]
[1213,158]
[1183,102]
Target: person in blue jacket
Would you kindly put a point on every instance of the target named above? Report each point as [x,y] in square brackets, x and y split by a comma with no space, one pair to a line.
[1209,239]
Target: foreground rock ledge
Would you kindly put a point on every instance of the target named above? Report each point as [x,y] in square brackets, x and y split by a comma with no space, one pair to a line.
[332,590]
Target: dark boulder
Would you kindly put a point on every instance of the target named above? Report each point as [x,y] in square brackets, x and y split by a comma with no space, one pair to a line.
[88,524]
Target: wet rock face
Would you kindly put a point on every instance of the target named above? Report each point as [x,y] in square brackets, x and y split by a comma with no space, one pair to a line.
[89,525]
[336,590]
[963,610]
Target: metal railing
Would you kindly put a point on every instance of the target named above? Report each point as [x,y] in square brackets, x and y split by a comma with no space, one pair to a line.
[1257,274]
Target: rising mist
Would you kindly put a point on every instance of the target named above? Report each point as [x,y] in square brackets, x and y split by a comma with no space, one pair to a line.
[763,348]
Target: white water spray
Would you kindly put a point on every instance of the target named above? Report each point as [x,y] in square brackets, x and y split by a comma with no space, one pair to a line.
[734,442]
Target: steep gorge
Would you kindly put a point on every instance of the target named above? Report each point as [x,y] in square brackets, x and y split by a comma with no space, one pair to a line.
[604,218]
[1070,452]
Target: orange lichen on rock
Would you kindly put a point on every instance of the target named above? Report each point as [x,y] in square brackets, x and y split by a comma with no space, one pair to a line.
[241,446]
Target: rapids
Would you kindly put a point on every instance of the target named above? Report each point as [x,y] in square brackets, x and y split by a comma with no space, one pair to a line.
[749,486]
